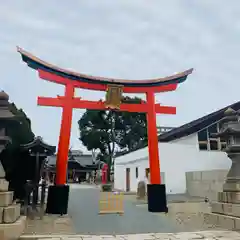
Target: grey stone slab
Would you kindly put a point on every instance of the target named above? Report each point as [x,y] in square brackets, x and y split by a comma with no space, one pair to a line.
[231,187]
[197,176]
[222,221]
[207,235]
[6,198]
[229,197]
[11,213]
[3,185]
[183,198]
[13,230]
[1,215]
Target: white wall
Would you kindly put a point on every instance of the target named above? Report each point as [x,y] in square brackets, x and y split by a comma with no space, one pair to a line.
[176,158]
[120,175]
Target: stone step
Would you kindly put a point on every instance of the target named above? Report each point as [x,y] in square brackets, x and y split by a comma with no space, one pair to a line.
[217,220]
[230,209]
[11,213]
[13,230]
[6,199]
[231,187]
[52,237]
[224,235]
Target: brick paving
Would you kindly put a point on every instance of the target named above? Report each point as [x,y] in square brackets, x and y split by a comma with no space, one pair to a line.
[207,235]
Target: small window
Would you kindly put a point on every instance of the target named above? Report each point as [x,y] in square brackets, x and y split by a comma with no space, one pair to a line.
[136,172]
[202,135]
[212,129]
[203,145]
[223,146]
[214,145]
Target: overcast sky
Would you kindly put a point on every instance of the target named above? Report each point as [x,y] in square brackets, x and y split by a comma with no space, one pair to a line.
[132,39]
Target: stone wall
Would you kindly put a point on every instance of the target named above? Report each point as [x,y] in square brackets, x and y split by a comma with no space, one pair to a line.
[205,183]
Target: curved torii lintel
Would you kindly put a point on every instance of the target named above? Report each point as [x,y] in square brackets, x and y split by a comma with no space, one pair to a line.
[55,74]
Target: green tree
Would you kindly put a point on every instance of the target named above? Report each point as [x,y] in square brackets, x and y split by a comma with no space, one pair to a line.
[12,158]
[19,130]
[107,131]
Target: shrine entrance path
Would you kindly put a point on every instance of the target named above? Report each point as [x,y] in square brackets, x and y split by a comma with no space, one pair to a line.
[83,208]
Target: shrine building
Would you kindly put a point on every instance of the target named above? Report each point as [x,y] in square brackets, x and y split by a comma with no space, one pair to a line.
[79,164]
[187,148]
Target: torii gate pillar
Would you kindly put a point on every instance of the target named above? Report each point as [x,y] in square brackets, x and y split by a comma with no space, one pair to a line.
[156,190]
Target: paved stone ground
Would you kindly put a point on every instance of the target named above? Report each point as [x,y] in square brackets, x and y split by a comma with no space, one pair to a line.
[50,224]
[186,212]
[136,223]
[84,206]
[220,235]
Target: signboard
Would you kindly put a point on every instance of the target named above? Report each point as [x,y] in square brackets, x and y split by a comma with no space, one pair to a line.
[113,96]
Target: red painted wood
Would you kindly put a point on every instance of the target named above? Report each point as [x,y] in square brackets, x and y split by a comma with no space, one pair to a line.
[68,102]
[64,138]
[85,104]
[102,87]
[154,161]
[104,173]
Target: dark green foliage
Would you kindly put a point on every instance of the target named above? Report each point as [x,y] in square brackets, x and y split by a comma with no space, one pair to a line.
[14,161]
[107,131]
[20,132]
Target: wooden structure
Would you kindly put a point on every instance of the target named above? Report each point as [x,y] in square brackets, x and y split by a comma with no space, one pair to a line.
[114,89]
[39,151]
[111,202]
[78,167]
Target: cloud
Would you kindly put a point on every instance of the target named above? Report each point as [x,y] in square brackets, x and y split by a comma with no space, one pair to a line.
[134,39]
[24,19]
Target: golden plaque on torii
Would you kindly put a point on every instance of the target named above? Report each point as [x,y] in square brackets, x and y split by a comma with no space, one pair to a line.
[113,96]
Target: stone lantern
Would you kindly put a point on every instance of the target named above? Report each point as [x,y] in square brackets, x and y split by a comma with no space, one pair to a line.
[12,224]
[230,131]
[5,115]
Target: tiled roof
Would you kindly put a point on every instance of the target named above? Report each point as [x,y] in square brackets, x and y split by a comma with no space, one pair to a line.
[196,125]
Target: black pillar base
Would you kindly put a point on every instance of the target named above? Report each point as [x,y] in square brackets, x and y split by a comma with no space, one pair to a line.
[57,201]
[157,199]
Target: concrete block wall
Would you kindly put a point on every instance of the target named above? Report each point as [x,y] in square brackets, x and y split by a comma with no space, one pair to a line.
[205,183]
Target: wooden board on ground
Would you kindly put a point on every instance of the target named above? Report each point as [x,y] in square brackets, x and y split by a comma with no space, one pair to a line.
[111,202]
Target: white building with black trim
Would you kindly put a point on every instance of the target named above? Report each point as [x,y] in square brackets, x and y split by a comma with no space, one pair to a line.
[189,147]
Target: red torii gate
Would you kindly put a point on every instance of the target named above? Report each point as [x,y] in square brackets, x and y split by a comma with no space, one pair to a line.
[58,194]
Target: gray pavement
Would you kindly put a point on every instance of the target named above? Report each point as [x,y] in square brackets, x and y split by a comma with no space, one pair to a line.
[84,206]
[207,235]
